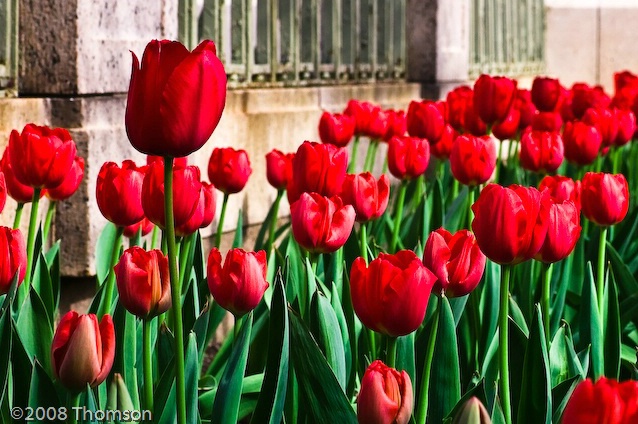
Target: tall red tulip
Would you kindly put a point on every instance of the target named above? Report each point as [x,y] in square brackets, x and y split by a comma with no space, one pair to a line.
[561,188]
[321,224]
[317,168]
[604,198]
[71,182]
[229,169]
[13,257]
[563,231]
[458,101]
[239,285]
[456,260]
[119,192]
[541,151]
[391,294]
[493,97]
[473,159]
[368,197]
[606,401]
[582,142]
[175,99]
[41,156]
[426,119]
[143,282]
[336,129]
[186,194]
[83,351]
[279,168]
[510,223]
[386,396]
[408,157]
[15,189]
[546,93]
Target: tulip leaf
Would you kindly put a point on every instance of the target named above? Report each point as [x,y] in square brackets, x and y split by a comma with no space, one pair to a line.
[564,363]
[405,356]
[270,404]
[558,304]
[445,377]
[591,331]
[43,285]
[457,211]
[126,352]
[5,352]
[265,227]
[42,391]
[104,251]
[326,331]
[226,405]
[35,329]
[88,406]
[626,280]
[336,303]
[22,367]
[535,401]
[612,330]
[308,289]
[517,316]
[191,373]
[561,394]
[238,241]
[321,395]
[488,313]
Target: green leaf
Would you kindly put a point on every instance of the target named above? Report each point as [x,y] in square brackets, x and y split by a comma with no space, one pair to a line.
[405,356]
[270,404]
[612,330]
[42,391]
[564,363]
[43,285]
[535,402]
[226,405]
[591,331]
[627,283]
[238,241]
[321,394]
[22,368]
[337,306]
[455,215]
[191,373]
[126,352]
[88,401]
[561,394]
[35,329]
[104,251]
[327,333]
[265,226]
[445,377]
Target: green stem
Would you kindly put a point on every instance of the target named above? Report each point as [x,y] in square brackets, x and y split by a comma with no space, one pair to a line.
[220,224]
[352,166]
[33,220]
[137,238]
[74,404]
[616,163]
[154,237]
[18,216]
[48,220]
[185,253]
[546,278]
[363,241]
[176,290]
[504,380]
[384,170]
[109,288]
[148,366]
[391,352]
[470,202]
[600,281]
[398,216]
[499,161]
[370,155]
[422,405]
[372,344]
[273,223]
[455,189]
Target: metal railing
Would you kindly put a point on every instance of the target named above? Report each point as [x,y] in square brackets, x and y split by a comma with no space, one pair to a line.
[507,37]
[8,47]
[300,42]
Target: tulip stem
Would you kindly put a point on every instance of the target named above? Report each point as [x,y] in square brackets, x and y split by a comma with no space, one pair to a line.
[154,237]
[176,290]
[600,281]
[74,403]
[148,366]
[370,156]
[364,241]
[109,287]
[220,224]
[137,238]
[616,162]
[470,202]
[391,352]
[273,222]
[372,344]
[499,161]
[48,220]
[18,216]
[546,278]
[184,255]
[33,220]
[352,166]
[398,216]
[422,406]
[503,352]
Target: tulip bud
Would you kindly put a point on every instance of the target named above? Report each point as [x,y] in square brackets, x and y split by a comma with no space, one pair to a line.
[472,412]
[336,129]
[368,197]
[473,159]
[13,258]
[397,124]
[493,97]
[546,93]
[362,113]
[582,142]
[457,101]
[279,168]
[604,198]
[229,169]
[541,151]
[119,192]
[456,260]
[239,285]
[143,282]
[605,121]
[71,182]
[386,396]
[507,129]
[15,189]
[82,352]
[426,119]
[626,127]
[377,124]
[391,294]
[408,157]
[563,231]
[561,188]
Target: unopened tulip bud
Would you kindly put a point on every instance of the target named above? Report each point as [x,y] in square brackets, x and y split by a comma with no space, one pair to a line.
[472,412]
[386,396]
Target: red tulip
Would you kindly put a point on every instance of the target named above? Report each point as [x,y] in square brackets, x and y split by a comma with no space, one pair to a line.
[546,93]
[541,151]
[321,224]
[336,129]
[507,129]
[510,223]
[203,214]
[13,258]
[182,162]
[3,191]
[561,188]
[378,124]
[19,192]
[390,295]
[493,97]
[605,401]
[239,285]
[317,168]
[361,112]
[408,157]
[473,159]
[472,412]
[426,119]
[143,282]
[456,260]
[458,101]
[605,121]
[82,351]
[443,147]
[525,107]
[71,182]
[625,79]
[119,192]
[368,197]
[229,169]
[144,227]
[582,143]
[279,168]
[472,121]
[563,231]
[176,98]
[585,97]
[385,397]
[626,127]
[186,194]
[396,124]
[41,156]
[604,198]
[547,121]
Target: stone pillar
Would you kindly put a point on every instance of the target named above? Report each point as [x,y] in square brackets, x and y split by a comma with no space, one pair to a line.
[438,44]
